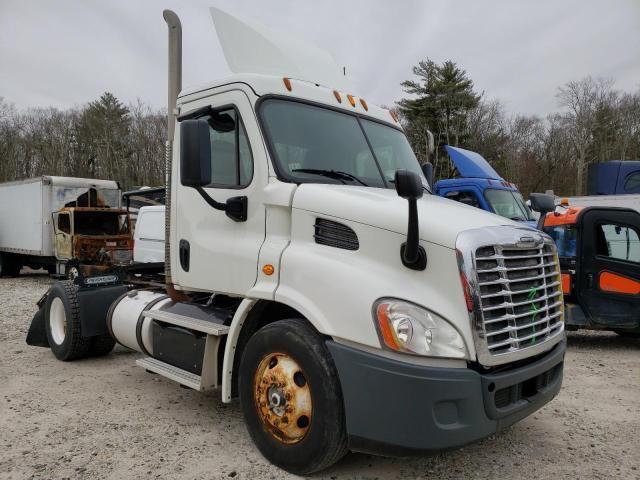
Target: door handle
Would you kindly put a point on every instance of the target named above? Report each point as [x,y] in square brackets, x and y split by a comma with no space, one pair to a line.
[590,280]
[184,255]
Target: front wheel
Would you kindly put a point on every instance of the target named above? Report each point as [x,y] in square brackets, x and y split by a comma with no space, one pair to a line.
[291,398]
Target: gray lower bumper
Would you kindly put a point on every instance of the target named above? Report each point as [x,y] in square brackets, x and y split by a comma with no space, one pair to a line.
[392,406]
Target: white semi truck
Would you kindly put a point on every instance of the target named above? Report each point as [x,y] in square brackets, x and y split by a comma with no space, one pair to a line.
[310,272]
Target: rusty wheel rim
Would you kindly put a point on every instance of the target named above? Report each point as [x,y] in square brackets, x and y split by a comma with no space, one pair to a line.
[283,398]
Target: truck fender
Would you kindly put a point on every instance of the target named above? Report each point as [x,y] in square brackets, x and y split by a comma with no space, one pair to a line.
[230,347]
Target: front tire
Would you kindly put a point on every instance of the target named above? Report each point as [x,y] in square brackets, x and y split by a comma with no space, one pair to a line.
[62,322]
[291,398]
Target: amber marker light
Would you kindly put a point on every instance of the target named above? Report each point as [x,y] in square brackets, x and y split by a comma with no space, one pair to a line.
[364,104]
[287,83]
[338,96]
[388,336]
[268,269]
[352,100]
[393,115]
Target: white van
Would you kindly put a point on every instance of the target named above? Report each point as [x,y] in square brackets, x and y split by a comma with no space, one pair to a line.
[149,235]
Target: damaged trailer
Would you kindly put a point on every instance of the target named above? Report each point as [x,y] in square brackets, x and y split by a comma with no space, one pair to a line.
[62,224]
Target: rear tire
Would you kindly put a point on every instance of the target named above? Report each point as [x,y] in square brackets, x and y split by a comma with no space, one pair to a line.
[62,322]
[9,265]
[101,345]
[291,398]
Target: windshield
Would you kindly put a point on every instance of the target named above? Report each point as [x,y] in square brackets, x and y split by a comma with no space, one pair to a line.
[508,204]
[315,144]
[565,238]
[100,223]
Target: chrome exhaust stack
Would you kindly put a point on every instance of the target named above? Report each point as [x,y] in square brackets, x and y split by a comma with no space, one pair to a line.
[175,85]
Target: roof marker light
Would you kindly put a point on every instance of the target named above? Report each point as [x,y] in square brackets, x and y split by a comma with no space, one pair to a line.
[393,115]
[364,104]
[338,96]
[287,83]
[352,100]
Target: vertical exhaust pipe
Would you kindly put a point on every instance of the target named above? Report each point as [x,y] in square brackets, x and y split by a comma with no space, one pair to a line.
[175,85]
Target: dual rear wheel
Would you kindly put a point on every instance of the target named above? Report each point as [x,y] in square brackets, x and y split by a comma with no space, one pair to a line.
[63,326]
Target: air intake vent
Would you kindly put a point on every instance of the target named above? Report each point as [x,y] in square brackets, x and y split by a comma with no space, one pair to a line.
[334,234]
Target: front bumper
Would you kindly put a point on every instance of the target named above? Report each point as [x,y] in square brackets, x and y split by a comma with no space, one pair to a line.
[392,406]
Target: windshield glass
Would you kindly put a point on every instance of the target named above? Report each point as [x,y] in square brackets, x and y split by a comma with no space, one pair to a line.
[564,237]
[315,144]
[100,223]
[508,204]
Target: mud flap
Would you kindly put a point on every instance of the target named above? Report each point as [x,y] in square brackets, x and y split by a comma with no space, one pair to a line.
[37,336]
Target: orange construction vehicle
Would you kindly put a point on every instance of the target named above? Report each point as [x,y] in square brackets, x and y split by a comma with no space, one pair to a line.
[599,250]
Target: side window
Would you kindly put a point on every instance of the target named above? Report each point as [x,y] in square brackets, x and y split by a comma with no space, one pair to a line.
[632,182]
[231,160]
[64,223]
[618,241]
[468,198]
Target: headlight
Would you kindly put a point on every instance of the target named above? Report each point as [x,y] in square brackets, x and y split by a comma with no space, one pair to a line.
[405,327]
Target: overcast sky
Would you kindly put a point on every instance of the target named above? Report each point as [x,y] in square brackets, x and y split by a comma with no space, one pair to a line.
[67,52]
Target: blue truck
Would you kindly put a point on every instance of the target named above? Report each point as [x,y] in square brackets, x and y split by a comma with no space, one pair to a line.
[476,183]
[614,177]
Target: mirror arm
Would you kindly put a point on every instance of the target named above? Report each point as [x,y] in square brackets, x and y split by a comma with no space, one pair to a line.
[235,207]
[412,253]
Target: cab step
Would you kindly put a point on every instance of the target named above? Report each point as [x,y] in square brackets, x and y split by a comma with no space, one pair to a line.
[176,374]
[199,325]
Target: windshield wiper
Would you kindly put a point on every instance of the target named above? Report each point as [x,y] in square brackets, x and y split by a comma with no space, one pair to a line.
[336,174]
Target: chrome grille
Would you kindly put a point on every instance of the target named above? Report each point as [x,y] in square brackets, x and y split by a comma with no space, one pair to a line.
[520,294]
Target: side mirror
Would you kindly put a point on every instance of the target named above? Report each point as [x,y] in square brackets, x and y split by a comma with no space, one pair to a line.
[195,153]
[427,170]
[542,203]
[409,186]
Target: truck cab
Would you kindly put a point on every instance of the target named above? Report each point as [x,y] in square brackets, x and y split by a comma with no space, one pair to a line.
[92,239]
[479,185]
[599,252]
[615,177]
[311,274]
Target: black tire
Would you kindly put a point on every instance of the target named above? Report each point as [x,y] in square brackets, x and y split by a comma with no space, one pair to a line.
[71,271]
[101,345]
[71,345]
[325,441]
[9,266]
[628,333]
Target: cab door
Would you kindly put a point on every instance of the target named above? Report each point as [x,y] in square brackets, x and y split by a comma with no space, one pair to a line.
[210,250]
[609,266]
[63,235]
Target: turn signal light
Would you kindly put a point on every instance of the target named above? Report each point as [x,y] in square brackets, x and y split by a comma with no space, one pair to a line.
[268,269]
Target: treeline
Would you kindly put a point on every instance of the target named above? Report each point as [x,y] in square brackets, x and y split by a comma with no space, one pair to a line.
[595,122]
[104,139]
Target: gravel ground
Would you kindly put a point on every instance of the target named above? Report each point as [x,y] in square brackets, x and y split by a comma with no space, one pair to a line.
[107,418]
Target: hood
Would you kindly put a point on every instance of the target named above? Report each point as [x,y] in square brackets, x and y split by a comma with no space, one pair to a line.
[471,164]
[441,220]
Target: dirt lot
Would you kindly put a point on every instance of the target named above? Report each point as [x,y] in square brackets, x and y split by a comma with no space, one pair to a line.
[107,418]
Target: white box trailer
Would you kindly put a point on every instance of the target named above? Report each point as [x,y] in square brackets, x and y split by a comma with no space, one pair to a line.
[26,212]
[623,201]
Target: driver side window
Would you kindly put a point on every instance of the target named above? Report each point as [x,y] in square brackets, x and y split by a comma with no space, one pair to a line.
[231,160]
[618,241]
[468,198]
[64,223]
